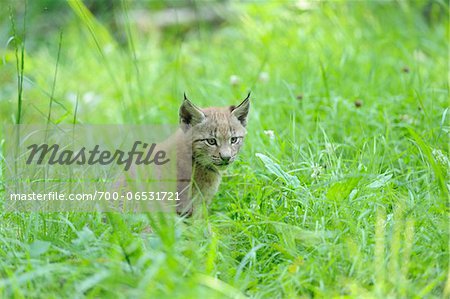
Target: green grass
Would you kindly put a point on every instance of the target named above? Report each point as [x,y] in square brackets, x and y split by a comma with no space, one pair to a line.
[345,201]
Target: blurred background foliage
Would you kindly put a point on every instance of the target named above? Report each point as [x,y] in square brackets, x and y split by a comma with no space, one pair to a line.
[133,46]
[349,100]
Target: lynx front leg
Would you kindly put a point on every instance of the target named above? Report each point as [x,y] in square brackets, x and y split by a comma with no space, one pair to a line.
[184,206]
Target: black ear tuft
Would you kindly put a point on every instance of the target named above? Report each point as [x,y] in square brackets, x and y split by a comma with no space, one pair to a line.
[189,114]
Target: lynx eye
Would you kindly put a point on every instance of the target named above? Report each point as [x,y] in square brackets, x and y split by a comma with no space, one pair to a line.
[234,140]
[211,141]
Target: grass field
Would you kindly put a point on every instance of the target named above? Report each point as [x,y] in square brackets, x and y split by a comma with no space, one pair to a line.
[341,189]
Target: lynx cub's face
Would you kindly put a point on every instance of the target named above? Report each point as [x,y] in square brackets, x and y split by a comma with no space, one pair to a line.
[217,133]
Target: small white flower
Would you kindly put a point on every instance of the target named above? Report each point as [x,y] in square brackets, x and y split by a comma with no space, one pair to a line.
[91,97]
[109,48]
[406,118]
[85,102]
[263,77]
[316,170]
[440,158]
[270,133]
[419,56]
[305,4]
[234,80]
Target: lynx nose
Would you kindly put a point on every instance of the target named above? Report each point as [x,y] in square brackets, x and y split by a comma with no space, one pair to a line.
[225,158]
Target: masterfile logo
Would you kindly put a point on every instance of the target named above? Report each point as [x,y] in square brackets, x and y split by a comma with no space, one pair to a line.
[83,156]
[92,167]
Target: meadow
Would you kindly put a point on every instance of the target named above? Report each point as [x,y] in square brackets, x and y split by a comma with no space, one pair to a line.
[341,188]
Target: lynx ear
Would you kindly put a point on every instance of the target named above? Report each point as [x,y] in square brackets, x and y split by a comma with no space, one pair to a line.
[241,111]
[190,115]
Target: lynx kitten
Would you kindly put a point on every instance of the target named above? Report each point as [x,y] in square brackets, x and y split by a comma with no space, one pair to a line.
[215,136]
